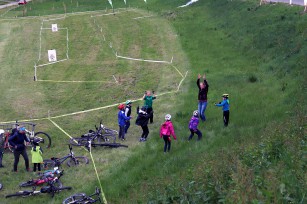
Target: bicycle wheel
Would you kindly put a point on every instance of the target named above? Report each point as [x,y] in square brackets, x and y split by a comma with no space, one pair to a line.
[74,198]
[78,141]
[49,164]
[77,161]
[44,138]
[27,183]
[23,194]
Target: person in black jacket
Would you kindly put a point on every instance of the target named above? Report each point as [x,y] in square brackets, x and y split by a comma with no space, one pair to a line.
[142,120]
[127,113]
[203,88]
[17,141]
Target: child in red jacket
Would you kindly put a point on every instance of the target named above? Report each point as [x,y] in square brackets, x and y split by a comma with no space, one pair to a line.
[166,130]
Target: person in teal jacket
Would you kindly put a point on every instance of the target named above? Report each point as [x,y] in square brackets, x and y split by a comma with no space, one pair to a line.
[37,158]
[148,98]
[225,105]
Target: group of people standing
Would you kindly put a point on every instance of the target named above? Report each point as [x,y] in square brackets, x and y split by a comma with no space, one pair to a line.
[203,88]
[18,141]
[145,115]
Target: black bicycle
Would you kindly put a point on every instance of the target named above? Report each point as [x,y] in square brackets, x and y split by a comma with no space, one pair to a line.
[50,189]
[103,136]
[72,160]
[82,198]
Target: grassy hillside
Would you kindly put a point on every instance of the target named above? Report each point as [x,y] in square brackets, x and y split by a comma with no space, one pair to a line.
[256,54]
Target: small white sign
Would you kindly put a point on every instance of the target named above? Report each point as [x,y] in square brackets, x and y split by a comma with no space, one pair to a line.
[52,55]
[54,27]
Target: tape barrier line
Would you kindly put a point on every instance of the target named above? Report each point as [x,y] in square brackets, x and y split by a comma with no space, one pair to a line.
[177,71]
[55,81]
[102,193]
[142,17]
[42,65]
[143,60]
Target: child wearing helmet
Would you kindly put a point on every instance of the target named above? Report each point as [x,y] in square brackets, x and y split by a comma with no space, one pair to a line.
[166,130]
[122,121]
[193,126]
[225,105]
[36,152]
[127,114]
[142,120]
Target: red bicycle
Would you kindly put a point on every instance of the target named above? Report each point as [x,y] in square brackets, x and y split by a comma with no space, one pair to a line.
[47,176]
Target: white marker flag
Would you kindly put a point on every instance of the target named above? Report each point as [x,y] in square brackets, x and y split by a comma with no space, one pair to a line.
[52,55]
[110,1]
[54,27]
[145,1]
[125,1]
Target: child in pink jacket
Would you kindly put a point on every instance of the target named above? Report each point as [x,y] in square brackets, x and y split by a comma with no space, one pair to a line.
[166,130]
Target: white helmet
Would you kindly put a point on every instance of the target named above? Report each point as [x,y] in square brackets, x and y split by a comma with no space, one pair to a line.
[195,113]
[1,131]
[168,117]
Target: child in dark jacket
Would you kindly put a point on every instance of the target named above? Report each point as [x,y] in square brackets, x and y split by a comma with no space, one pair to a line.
[166,130]
[193,126]
[225,105]
[142,120]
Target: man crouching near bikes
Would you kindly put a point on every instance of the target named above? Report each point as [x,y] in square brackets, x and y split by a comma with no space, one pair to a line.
[17,141]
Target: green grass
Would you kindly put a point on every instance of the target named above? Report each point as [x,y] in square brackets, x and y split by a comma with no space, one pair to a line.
[256,54]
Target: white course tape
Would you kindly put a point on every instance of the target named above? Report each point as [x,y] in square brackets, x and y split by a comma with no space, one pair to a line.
[42,65]
[143,60]
[142,17]
[54,81]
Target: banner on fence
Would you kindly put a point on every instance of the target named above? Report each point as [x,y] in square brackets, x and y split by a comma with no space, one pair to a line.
[54,27]
[52,55]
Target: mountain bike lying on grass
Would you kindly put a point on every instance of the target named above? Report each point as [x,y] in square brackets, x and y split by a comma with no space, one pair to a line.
[72,160]
[51,189]
[45,178]
[10,128]
[82,198]
[103,136]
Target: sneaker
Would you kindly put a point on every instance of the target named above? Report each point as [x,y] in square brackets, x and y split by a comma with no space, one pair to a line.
[1,166]
[28,170]
[141,139]
[14,170]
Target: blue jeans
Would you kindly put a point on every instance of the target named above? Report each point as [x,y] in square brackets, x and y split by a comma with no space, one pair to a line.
[201,110]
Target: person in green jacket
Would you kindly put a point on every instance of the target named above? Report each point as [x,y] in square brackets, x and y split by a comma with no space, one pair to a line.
[37,158]
[148,98]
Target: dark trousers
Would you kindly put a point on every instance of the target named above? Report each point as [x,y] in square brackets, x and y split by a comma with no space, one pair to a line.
[198,133]
[127,125]
[1,156]
[17,154]
[151,117]
[38,167]
[226,118]
[145,131]
[121,133]
[167,143]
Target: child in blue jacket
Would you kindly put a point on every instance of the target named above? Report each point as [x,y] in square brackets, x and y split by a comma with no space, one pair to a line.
[122,121]
[225,105]
[193,126]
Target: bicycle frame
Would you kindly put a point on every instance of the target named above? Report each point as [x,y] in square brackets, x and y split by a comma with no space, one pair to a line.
[61,160]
